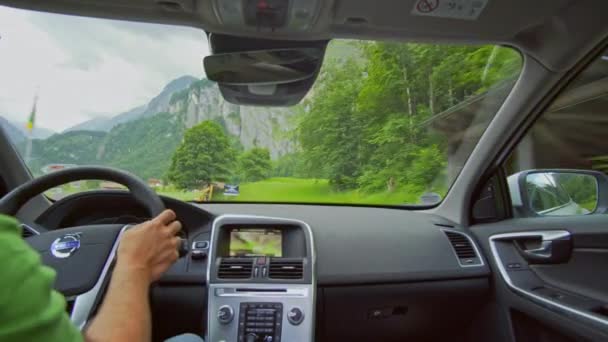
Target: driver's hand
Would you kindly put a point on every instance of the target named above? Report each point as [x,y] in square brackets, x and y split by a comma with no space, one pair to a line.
[150,248]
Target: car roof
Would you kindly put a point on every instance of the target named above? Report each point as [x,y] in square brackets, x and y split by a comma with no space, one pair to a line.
[557,33]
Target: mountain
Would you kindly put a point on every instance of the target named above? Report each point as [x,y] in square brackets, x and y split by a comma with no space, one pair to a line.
[96,124]
[158,104]
[143,146]
[17,132]
[193,101]
[253,126]
[37,132]
[144,139]
[79,147]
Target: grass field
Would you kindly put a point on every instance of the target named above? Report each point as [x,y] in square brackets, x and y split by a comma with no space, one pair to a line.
[281,190]
[309,190]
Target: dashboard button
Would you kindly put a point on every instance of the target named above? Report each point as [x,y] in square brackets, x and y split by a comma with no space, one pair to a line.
[295,316]
[200,244]
[183,247]
[225,314]
[198,254]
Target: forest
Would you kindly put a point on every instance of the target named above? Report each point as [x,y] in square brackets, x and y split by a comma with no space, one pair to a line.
[365,126]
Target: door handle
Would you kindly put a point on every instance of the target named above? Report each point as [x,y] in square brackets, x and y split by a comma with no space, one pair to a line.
[552,249]
[543,252]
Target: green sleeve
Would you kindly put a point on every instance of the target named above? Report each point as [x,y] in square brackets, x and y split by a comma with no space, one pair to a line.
[30,310]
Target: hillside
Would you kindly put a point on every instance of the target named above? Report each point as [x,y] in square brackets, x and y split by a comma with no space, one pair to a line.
[143,146]
[158,104]
[17,132]
[80,147]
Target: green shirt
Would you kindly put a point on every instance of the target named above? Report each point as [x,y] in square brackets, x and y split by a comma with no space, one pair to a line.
[30,310]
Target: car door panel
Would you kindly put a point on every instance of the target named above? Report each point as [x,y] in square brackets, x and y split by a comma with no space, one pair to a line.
[562,299]
[585,273]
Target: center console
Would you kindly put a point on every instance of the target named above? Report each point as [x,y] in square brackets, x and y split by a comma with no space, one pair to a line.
[260,279]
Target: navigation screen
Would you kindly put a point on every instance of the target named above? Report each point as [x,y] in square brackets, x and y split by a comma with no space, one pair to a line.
[256,242]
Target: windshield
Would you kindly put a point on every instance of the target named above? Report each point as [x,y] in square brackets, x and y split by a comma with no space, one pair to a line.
[386,123]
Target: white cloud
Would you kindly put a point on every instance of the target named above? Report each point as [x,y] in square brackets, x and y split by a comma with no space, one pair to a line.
[86,68]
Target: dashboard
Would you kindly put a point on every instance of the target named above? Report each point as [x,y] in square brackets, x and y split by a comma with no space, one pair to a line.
[361,273]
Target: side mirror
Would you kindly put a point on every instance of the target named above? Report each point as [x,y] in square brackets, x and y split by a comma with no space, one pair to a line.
[558,192]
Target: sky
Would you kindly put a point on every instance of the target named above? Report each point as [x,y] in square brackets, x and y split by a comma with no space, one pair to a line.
[85,68]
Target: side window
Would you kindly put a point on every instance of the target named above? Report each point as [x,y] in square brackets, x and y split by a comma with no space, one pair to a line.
[559,168]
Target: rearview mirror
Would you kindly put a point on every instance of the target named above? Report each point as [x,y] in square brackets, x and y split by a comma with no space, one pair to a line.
[558,192]
[262,67]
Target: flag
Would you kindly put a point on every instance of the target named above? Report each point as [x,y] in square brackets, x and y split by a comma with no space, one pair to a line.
[30,127]
[32,118]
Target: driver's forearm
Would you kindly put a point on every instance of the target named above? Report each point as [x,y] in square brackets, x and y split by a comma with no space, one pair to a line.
[125,312]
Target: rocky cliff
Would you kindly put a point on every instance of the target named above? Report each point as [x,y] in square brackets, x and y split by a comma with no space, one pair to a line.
[267,127]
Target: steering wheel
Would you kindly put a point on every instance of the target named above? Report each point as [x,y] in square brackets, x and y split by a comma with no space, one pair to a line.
[81,256]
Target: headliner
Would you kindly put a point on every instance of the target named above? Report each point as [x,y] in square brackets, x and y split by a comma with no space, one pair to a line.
[557,33]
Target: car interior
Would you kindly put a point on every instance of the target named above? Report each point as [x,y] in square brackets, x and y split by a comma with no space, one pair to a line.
[515,251]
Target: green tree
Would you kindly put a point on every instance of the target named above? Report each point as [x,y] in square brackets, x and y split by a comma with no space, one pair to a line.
[289,165]
[204,156]
[329,132]
[366,126]
[255,164]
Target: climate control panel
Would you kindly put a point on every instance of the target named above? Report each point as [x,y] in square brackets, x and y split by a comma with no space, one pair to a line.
[260,322]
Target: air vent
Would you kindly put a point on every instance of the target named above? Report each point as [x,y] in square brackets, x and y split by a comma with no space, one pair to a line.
[27,231]
[463,247]
[286,268]
[235,268]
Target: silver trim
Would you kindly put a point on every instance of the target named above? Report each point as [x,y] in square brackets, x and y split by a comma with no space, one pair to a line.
[60,254]
[544,251]
[479,256]
[30,229]
[217,222]
[288,292]
[300,333]
[546,236]
[230,314]
[83,305]
[195,242]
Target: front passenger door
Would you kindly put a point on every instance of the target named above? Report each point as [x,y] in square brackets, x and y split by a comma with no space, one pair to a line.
[550,261]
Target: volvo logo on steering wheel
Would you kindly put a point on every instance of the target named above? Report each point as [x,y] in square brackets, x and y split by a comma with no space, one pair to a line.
[66,245]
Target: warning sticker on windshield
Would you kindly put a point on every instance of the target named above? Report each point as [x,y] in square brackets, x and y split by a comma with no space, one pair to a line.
[454,9]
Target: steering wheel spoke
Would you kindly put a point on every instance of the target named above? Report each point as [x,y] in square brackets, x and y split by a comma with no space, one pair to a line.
[86,303]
